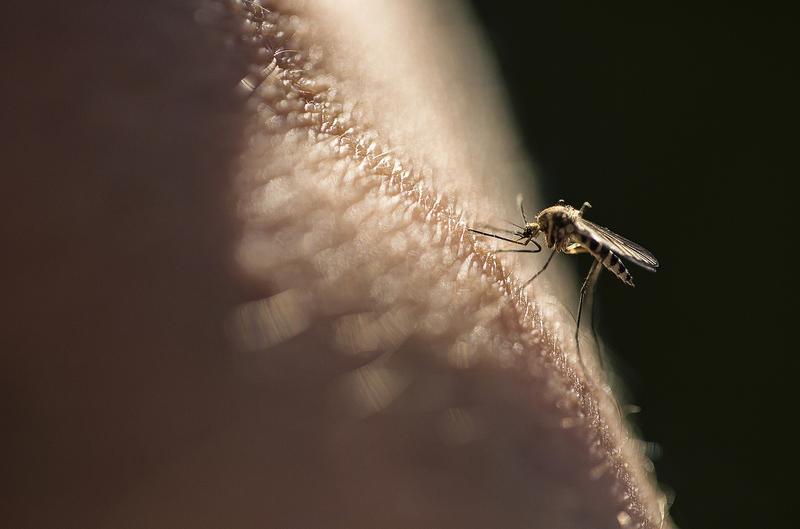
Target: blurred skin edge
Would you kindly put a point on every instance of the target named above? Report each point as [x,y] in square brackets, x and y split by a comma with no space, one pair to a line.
[100,242]
[119,133]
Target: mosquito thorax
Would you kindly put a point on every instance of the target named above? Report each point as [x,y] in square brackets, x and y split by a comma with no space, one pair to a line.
[556,222]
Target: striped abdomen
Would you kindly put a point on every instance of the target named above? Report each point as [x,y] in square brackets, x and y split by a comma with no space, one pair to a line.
[609,259]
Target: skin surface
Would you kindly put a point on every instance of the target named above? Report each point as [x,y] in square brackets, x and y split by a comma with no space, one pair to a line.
[264,310]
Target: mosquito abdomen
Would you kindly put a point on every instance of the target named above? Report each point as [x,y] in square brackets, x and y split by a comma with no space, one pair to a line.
[609,259]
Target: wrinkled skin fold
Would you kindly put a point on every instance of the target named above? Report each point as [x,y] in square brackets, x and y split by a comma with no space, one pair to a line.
[329,347]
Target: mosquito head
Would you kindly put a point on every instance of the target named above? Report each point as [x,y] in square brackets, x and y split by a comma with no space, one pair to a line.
[523,235]
[529,231]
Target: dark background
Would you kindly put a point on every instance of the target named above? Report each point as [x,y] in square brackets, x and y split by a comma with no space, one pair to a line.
[674,121]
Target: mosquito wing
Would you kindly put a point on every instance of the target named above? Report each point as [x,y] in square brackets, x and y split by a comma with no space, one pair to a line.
[618,244]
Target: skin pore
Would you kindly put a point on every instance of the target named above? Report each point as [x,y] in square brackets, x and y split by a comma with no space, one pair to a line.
[280,318]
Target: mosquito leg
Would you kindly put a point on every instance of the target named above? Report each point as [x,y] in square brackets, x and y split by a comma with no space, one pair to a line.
[542,270]
[591,278]
[521,242]
[495,229]
[588,285]
[584,207]
[527,242]
[590,300]
[575,248]
[591,306]
[487,234]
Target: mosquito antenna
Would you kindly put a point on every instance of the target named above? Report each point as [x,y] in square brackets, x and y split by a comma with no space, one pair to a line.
[521,207]
[516,225]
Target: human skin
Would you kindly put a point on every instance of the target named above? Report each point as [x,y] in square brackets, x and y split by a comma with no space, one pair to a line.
[264,309]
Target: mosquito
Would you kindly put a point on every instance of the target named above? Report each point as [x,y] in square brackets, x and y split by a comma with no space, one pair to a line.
[565,230]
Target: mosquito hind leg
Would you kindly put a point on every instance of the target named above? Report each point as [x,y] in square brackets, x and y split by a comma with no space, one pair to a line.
[592,306]
[588,286]
[589,282]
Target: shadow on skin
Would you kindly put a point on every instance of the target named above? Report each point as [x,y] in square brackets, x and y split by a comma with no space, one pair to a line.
[303,335]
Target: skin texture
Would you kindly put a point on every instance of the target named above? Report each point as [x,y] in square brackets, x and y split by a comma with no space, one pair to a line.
[264,309]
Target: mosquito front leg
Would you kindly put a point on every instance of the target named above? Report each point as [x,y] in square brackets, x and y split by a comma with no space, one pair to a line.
[496,229]
[525,243]
[502,238]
